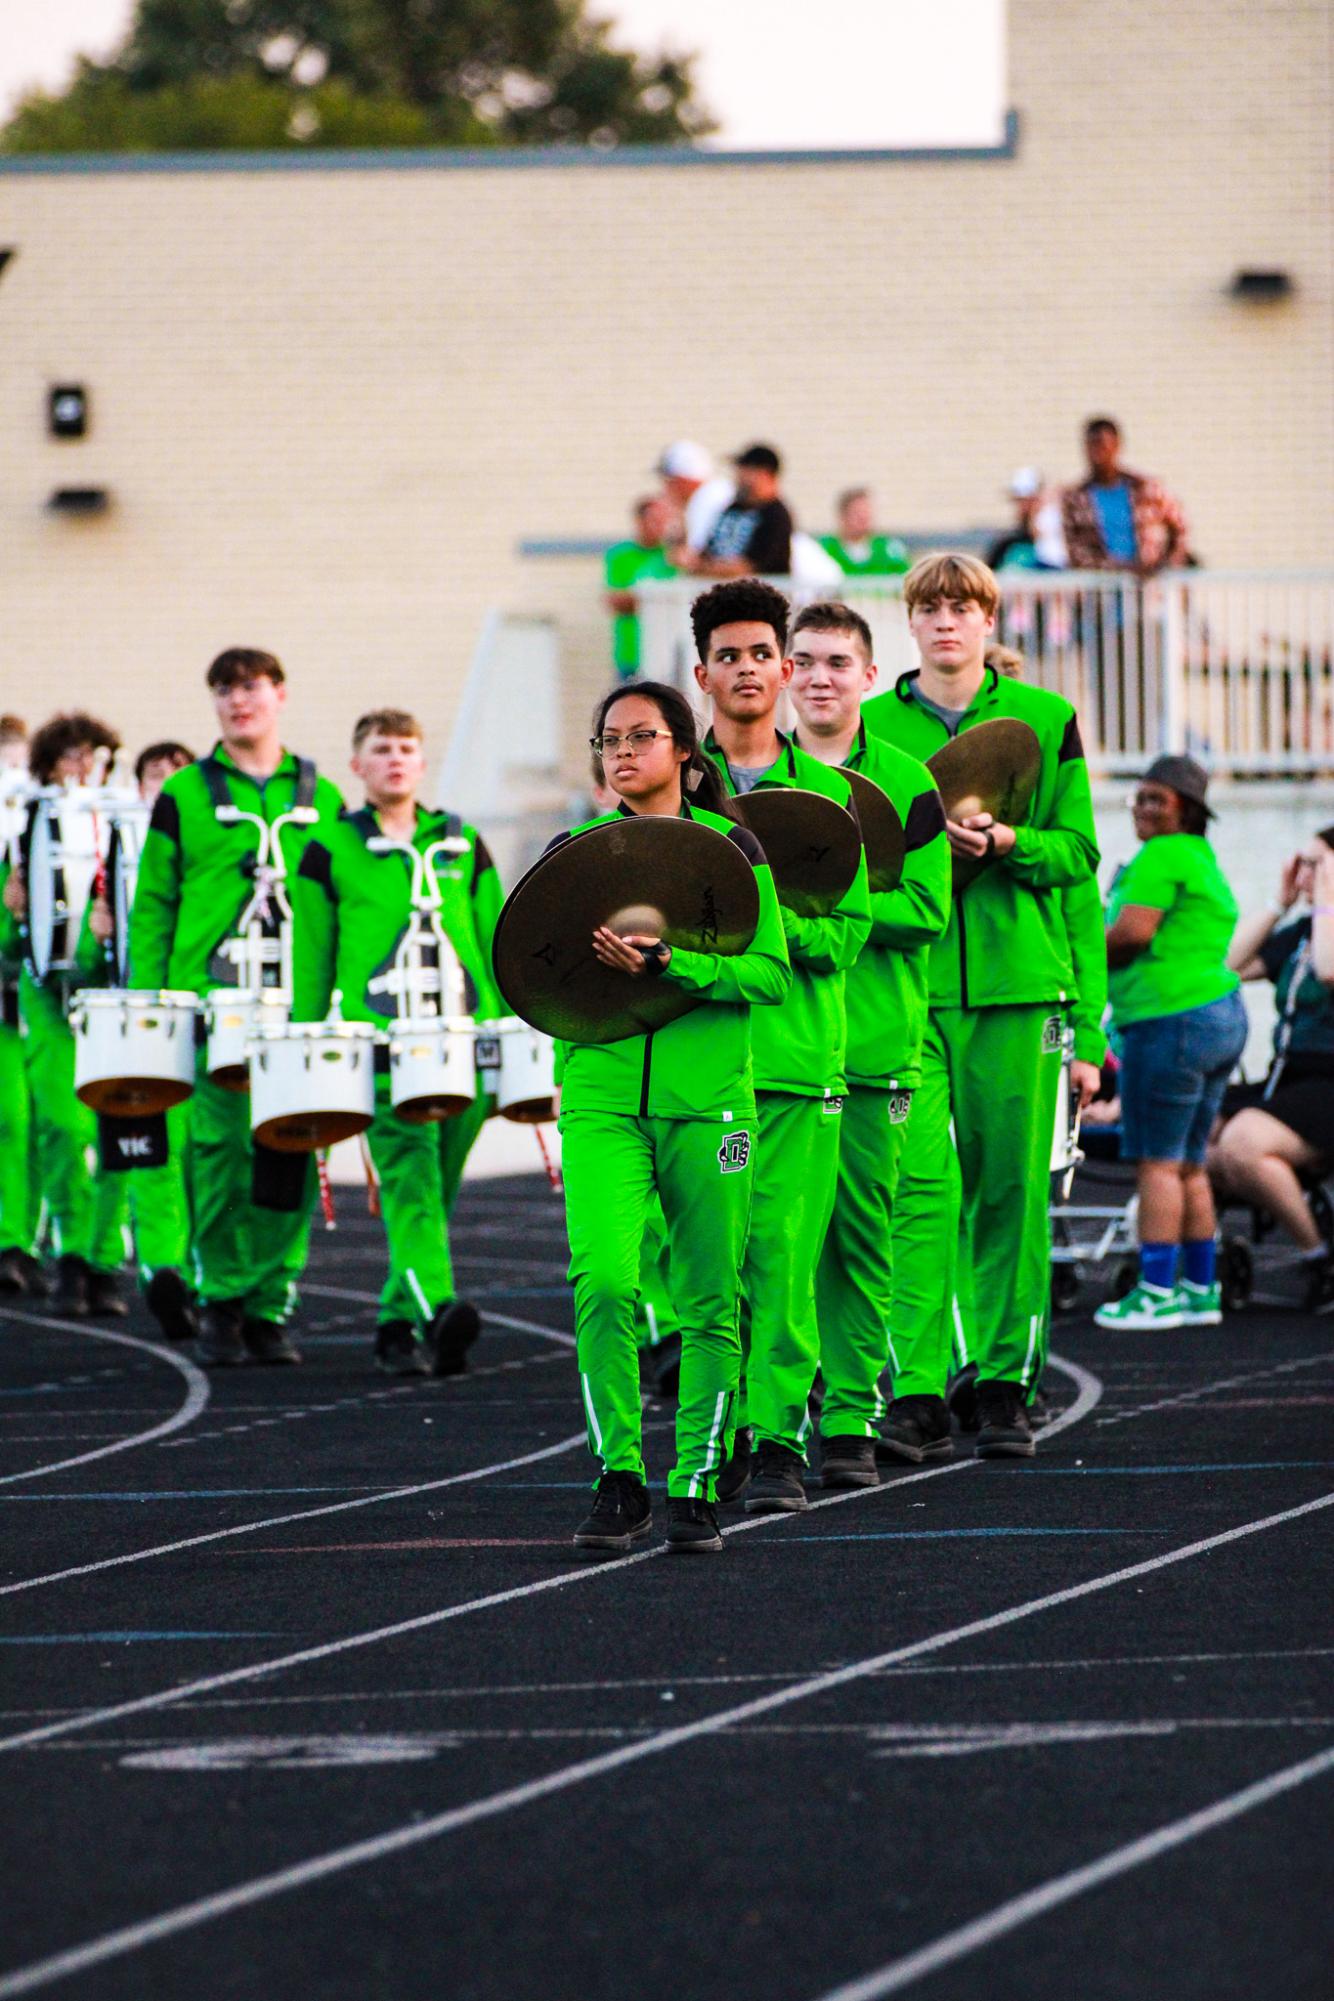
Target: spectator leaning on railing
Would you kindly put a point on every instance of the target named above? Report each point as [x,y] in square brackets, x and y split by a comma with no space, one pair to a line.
[752,537]
[692,489]
[859,548]
[1034,541]
[628,563]
[1118,519]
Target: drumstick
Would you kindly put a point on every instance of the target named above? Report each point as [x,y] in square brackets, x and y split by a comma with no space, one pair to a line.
[326,1189]
[373,1207]
[553,1172]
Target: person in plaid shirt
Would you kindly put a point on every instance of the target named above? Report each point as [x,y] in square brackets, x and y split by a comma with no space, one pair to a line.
[1117,519]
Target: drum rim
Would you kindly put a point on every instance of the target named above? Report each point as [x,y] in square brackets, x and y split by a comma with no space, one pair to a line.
[313,1031]
[146,997]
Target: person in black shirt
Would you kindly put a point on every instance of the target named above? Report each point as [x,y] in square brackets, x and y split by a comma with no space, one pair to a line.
[1278,1130]
[752,537]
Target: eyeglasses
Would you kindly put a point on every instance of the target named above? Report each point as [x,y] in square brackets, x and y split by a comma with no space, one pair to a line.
[636,742]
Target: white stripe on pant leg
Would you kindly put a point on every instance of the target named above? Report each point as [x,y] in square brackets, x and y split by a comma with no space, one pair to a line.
[893,1352]
[414,1287]
[719,1415]
[652,1320]
[1033,1321]
[593,1424]
[960,1338]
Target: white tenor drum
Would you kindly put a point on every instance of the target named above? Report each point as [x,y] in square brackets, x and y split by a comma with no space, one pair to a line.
[134,1050]
[232,1015]
[312,1083]
[62,853]
[432,1068]
[519,1063]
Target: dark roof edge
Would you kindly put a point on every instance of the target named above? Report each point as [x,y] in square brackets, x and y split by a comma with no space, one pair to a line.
[447,159]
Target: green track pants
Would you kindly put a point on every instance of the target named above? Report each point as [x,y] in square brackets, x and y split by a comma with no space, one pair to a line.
[970,1219]
[854,1283]
[408,1162]
[240,1250]
[87,1210]
[160,1205]
[454,1139]
[18,1179]
[796,1172]
[656,1319]
[702,1171]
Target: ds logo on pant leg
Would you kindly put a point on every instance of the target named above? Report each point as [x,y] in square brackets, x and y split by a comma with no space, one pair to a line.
[1052,1034]
[833,1107]
[734,1153]
[900,1104]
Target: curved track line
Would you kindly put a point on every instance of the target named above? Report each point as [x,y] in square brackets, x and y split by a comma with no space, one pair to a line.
[393,1841]
[1090,1389]
[196,1395]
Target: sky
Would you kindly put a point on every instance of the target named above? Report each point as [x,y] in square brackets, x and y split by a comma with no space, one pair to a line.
[879,73]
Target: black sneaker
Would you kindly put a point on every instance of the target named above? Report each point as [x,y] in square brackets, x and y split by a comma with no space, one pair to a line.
[1039,1408]
[1005,1431]
[734,1477]
[665,1362]
[1320,1287]
[398,1351]
[915,1428]
[961,1396]
[20,1272]
[268,1342]
[106,1301]
[172,1304]
[220,1343]
[848,1462]
[73,1277]
[775,1483]
[452,1332]
[620,1515]
[692,1527]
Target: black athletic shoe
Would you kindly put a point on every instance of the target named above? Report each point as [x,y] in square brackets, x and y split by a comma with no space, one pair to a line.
[398,1351]
[961,1396]
[173,1305]
[914,1429]
[220,1343]
[848,1462]
[452,1332]
[106,1301]
[268,1343]
[775,1484]
[1039,1408]
[20,1272]
[734,1478]
[692,1527]
[620,1515]
[1005,1431]
[73,1288]
[1320,1287]
[665,1362]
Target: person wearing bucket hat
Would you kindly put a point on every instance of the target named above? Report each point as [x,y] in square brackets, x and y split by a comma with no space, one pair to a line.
[1179,1019]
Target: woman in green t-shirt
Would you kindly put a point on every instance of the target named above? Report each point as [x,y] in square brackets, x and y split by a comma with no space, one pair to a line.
[1181,1025]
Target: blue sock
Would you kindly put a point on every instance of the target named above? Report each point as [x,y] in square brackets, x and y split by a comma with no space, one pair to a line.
[1198,1260]
[1158,1265]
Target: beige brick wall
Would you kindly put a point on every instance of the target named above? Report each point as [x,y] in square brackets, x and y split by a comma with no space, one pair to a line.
[328,404]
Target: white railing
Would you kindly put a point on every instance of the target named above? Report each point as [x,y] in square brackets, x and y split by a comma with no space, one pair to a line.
[1236,667]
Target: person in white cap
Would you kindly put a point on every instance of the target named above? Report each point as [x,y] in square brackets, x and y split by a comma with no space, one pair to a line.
[694,490]
[1035,542]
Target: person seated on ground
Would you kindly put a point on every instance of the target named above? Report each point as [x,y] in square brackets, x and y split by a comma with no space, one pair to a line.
[1278,1130]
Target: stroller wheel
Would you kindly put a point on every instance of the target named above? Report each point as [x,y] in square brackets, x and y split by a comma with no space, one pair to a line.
[1127,1277]
[1236,1272]
[1064,1288]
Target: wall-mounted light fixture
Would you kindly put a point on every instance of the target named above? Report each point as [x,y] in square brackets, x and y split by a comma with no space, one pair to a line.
[79,500]
[67,410]
[6,252]
[1261,287]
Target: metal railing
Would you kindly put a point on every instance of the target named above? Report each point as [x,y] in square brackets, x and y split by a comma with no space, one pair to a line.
[1236,667]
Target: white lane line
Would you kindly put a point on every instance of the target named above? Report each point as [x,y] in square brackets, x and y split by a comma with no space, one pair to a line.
[1007,1917]
[500,1319]
[393,1841]
[1212,1389]
[196,1391]
[299,1515]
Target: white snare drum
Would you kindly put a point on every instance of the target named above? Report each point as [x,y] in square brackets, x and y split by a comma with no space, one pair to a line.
[134,1051]
[312,1083]
[232,1015]
[63,850]
[519,1063]
[432,1068]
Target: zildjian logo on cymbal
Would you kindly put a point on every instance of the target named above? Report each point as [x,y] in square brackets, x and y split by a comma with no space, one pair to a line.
[708,921]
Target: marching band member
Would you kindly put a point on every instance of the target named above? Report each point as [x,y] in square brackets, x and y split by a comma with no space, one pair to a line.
[672,1112]
[740,630]
[832,670]
[353,903]
[977,1153]
[193,889]
[85,1208]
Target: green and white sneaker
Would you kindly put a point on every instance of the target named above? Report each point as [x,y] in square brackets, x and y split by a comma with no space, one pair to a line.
[1201,1305]
[1144,1307]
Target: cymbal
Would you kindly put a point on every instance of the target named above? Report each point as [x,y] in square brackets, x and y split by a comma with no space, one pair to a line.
[676,879]
[993,768]
[882,831]
[810,842]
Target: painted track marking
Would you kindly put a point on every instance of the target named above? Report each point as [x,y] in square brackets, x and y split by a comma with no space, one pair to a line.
[316,1868]
[196,1393]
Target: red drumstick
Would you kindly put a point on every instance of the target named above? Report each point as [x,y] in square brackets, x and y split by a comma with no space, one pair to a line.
[553,1172]
[326,1189]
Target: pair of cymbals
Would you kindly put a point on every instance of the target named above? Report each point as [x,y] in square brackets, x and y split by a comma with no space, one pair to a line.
[992,768]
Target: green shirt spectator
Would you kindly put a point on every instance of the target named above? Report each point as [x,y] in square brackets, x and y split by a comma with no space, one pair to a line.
[627,564]
[858,548]
[1184,965]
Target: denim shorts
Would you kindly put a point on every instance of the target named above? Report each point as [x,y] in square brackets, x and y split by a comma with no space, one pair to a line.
[1174,1070]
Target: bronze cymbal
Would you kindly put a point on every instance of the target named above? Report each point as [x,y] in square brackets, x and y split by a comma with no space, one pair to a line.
[993,768]
[882,831]
[676,879]
[810,842]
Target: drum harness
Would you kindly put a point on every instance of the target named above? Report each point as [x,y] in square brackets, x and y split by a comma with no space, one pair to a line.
[257,952]
[427,978]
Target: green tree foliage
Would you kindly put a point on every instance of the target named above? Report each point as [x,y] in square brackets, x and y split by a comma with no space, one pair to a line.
[272,73]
